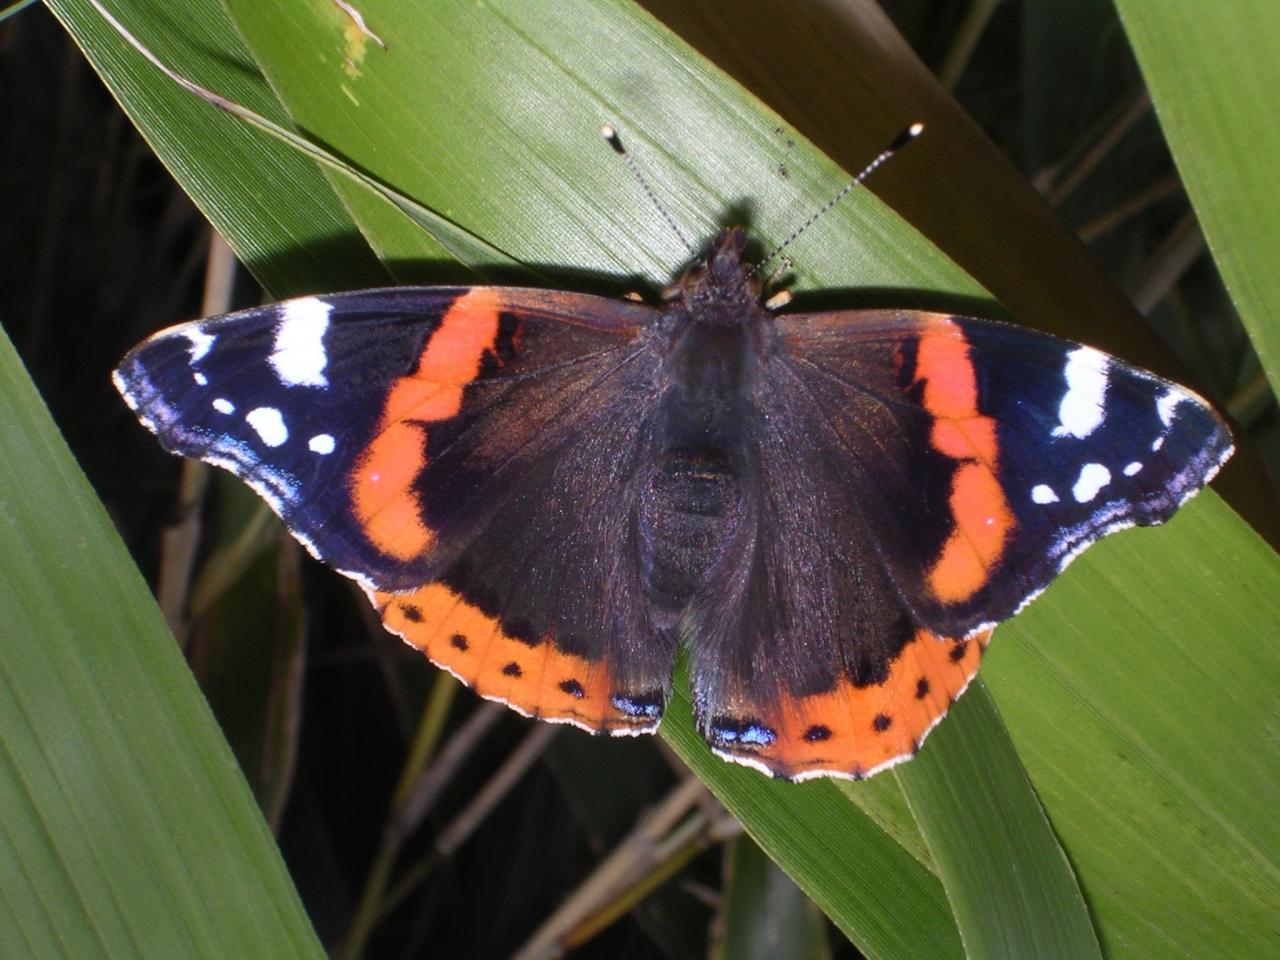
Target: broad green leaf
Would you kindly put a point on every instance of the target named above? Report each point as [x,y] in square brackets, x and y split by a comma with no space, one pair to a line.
[1213,71]
[1140,694]
[128,828]
[839,72]
[1008,880]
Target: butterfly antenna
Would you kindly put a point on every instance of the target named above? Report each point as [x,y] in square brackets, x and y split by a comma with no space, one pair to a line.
[611,137]
[900,141]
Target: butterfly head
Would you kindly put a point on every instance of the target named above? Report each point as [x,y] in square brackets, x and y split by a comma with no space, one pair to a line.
[718,287]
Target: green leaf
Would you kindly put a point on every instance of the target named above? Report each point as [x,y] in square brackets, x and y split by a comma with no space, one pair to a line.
[1213,71]
[1008,880]
[302,237]
[1140,694]
[128,829]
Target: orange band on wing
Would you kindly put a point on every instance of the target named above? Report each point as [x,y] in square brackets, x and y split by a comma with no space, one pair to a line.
[855,731]
[982,519]
[383,496]
[538,680]
[971,439]
[382,491]
[451,360]
[942,362]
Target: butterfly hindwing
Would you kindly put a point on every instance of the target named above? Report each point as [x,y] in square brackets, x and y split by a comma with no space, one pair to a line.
[443,446]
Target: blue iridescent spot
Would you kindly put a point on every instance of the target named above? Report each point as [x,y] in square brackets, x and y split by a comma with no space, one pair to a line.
[638,706]
[757,734]
[726,730]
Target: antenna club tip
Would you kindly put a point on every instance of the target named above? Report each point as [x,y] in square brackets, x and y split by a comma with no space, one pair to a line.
[611,137]
[906,136]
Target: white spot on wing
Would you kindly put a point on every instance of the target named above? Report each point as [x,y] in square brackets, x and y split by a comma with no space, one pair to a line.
[1166,404]
[1043,493]
[1093,477]
[1132,469]
[223,405]
[269,425]
[321,443]
[1082,410]
[200,378]
[201,342]
[299,358]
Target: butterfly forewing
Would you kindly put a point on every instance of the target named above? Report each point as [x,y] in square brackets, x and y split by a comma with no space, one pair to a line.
[1017,450]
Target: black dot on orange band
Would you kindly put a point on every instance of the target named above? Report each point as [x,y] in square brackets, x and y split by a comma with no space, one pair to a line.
[411,612]
[922,688]
[817,733]
[958,652]
[512,669]
[881,723]
[459,642]
[573,688]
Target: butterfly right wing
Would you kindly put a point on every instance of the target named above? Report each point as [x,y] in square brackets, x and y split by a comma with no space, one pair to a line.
[918,478]
[464,453]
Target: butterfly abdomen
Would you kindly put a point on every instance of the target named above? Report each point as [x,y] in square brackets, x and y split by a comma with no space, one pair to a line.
[689,505]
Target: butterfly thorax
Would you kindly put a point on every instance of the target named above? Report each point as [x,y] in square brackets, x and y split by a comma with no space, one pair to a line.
[721,290]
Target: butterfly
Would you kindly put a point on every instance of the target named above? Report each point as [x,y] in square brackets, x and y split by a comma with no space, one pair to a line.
[551,493]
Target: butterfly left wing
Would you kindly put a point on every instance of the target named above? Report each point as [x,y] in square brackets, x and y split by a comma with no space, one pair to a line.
[462,453]
[918,478]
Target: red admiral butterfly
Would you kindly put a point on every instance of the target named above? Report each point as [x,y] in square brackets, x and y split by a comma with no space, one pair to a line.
[548,493]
